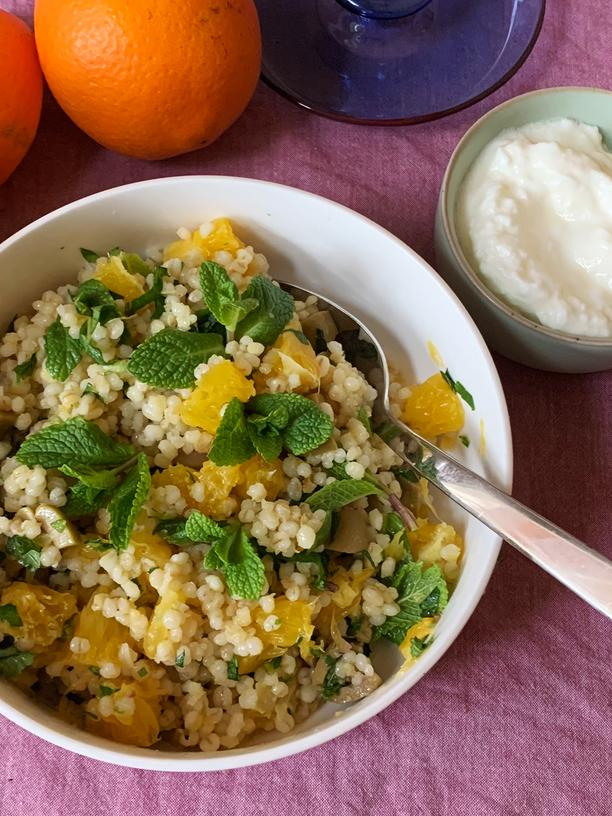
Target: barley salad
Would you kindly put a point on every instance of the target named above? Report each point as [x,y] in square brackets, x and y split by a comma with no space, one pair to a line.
[205,527]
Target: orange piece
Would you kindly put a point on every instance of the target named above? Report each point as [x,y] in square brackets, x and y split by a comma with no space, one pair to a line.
[105,636]
[296,360]
[218,484]
[20,92]
[433,408]
[113,274]
[294,624]
[43,612]
[221,238]
[150,78]
[269,474]
[137,726]
[216,387]
[180,476]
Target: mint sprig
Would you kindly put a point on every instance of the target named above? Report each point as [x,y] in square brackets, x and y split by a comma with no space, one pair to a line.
[84,500]
[169,358]
[127,501]
[94,299]
[421,593]
[236,557]
[266,424]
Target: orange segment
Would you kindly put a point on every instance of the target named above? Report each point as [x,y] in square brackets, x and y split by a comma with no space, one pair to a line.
[218,484]
[105,636]
[296,360]
[221,237]
[113,274]
[43,612]
[216,387]
[136,726]
[295,623]
[433,408]
[269,474]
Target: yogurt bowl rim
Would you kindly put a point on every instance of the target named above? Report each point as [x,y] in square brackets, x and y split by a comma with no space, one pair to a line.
[449,219]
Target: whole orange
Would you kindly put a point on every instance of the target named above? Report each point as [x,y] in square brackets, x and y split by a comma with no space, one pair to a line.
[20,92]
[150,78]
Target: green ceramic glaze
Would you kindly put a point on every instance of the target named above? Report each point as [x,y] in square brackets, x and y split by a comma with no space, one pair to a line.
[506,330]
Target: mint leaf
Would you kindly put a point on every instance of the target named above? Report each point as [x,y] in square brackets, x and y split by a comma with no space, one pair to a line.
[100,479]
[324,534]
[208,323]
[168,359]
[300,336]
[153,295]
[307,425]
[459,388]
[13,662]
[308,431]
[421,593]
[320,562]
[127,501]
[418,645]
[180,660]
[105,691]
[24,550]
[332,683]
[232,669]
[265,437]
[406,473]
[337,494]
[387,431]
[174,531]
[74,442]
[274,310]
[94,299]
[89,255]
[9,614]
[247,578]
[134,264]
[25,369]
[426,467]
[232,443]
[365,420]
[92,350]
[63,352]
[85,501]
[199,527]
[464,440]
[354,347]
[221,295]
[236,557]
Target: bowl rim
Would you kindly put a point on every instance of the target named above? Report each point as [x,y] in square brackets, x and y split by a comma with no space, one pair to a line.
[448,222]
[345,720]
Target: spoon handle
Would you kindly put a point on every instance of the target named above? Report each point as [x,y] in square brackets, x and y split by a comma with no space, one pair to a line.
[583,570]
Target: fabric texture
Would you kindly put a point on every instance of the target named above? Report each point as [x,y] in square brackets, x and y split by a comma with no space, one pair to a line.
[516,718]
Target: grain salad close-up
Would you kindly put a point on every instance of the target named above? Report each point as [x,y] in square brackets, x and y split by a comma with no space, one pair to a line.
[206,525]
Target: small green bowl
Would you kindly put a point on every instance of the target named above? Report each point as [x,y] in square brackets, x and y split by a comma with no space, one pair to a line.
[505,329]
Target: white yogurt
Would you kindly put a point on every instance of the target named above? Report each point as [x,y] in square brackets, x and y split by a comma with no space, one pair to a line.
[535,219]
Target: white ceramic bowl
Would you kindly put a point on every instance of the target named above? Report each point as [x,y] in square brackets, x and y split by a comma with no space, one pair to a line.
[326,247]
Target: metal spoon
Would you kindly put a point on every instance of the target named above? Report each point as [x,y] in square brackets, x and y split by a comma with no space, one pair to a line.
[581,569]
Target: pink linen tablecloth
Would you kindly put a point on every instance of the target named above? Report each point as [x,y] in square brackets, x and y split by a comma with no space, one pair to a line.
[517,717]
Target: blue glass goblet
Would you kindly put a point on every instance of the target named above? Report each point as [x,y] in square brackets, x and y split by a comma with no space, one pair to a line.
[394,61]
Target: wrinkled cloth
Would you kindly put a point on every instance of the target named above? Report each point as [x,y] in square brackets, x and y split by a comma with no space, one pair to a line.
[516,718]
